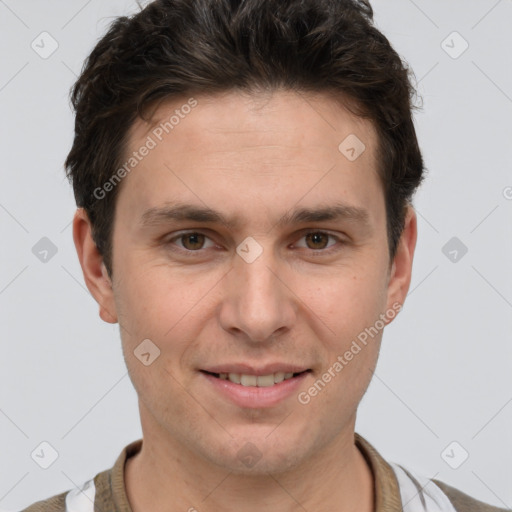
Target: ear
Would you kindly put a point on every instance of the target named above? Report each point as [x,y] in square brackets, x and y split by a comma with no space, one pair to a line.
[95,273]
[401,267]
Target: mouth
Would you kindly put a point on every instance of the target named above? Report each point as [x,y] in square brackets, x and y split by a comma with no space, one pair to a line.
[251,386]
[260,381]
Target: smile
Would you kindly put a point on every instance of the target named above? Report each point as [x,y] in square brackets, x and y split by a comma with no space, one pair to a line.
[247,390]
[261,381]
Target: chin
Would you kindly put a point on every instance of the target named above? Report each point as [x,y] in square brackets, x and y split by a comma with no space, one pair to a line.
[259,455]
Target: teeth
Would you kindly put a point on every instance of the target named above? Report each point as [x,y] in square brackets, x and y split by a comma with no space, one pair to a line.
[254,380]
[278,377]
[248,380]
[234,377]
[265,380]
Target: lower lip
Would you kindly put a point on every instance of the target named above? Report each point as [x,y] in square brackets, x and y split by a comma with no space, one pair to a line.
[253,396]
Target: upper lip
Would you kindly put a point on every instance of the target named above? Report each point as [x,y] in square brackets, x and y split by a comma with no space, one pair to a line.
[247,369]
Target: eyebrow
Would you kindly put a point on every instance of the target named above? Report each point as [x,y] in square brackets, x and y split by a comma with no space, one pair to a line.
[188,212]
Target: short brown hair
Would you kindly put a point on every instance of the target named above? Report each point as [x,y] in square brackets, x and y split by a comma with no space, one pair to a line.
[177,47]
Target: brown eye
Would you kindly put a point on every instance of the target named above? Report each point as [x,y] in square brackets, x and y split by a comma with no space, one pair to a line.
[318,240]
[195,241]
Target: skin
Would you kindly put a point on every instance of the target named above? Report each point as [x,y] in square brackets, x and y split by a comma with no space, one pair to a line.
[257,158]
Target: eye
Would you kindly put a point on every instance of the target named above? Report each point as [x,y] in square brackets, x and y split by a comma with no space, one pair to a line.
[192,241]
[318,240]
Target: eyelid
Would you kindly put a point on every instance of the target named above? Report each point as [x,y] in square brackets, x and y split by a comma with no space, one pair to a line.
[181,234]
[303,233]
[324,232]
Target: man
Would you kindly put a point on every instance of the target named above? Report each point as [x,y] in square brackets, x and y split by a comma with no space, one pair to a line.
[244,173]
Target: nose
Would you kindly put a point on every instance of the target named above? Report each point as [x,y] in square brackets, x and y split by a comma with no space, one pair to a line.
[258,302]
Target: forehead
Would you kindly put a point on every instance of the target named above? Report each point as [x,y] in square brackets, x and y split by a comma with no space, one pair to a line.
[251,149]
[305,120]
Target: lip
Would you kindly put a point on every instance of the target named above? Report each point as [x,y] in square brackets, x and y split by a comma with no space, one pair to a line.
[253,370]
[254,397]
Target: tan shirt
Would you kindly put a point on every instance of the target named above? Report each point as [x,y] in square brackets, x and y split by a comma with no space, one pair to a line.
[396,490]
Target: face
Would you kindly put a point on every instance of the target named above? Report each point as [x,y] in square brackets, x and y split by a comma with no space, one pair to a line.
[251,250]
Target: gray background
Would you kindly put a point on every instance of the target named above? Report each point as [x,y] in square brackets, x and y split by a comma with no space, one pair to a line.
[444,371]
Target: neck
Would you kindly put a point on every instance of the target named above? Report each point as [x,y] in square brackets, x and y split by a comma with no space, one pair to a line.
[164,472]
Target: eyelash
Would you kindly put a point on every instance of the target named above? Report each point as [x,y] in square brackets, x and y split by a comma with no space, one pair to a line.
[198,252]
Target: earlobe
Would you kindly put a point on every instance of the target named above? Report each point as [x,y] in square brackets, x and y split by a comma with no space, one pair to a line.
[401,268]
[95,274]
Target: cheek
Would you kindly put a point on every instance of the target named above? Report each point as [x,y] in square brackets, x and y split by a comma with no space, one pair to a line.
[154,299]
[339,386]
[355,305]
[348,303]
[166,306]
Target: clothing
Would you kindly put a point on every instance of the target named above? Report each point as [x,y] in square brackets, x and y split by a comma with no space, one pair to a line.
[394,486]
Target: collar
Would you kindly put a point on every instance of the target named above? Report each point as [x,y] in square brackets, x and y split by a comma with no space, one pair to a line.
[110,486]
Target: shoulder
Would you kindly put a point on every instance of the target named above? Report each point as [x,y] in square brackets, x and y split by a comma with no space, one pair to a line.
[83,498]
[55,504]
[418,492]
[400,488]
[103,492]
[464,503]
